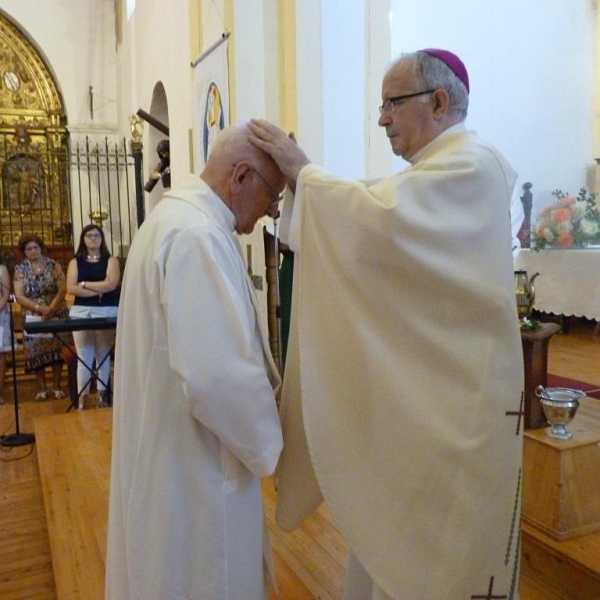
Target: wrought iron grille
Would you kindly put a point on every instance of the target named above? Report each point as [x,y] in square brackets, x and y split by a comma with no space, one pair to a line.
[52,187]
[102,184]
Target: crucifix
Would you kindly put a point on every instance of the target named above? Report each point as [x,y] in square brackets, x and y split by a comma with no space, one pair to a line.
[517,413]
[490,595]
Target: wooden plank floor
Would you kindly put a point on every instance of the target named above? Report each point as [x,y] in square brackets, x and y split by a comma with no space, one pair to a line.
[310,561]
[74,460]
[25,560]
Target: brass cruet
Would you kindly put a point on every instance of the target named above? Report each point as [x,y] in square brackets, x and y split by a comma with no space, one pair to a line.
[524,292]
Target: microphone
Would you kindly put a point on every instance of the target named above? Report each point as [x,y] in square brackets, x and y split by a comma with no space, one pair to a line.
[18,438]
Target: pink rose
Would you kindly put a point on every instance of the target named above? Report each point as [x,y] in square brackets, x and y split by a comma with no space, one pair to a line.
[565,240]
[561,214]
[567,201]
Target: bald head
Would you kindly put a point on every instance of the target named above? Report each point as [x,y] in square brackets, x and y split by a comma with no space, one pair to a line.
[245,177]
[232,145]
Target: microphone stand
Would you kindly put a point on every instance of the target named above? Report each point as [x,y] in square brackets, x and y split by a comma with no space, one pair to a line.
[18,438]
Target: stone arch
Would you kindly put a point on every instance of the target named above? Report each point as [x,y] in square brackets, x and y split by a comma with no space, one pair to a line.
[159,109]
[34,154]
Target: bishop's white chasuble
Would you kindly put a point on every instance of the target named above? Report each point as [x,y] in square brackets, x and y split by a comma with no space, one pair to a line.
[402,397]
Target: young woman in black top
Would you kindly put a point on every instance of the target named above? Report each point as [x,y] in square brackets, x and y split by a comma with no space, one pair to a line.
[93,278]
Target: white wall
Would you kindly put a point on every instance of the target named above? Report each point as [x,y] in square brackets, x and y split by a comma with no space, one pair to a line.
[531,68]
[255,26]
[377,48]
[344,86]
[309,77]
[77,41]
[531,72]
[342,48]
[156,49]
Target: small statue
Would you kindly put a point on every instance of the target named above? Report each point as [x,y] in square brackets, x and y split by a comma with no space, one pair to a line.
[21,134]
[524,234]
[136,128]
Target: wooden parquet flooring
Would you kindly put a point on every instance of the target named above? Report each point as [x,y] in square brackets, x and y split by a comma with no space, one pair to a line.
[25,559]
[74,461]
[310,561]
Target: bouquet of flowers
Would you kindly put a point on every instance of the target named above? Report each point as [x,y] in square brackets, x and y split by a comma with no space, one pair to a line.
[571,222]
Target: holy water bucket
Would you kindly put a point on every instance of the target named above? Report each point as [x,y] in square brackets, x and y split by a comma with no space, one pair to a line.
[559,405]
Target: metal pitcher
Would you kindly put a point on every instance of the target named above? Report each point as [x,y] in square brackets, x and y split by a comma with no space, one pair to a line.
[524,292]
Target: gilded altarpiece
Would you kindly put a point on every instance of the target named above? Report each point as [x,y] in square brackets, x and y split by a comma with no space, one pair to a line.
[34,157]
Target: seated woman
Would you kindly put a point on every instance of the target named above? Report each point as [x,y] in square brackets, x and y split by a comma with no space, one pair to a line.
[40,289]
[93,277]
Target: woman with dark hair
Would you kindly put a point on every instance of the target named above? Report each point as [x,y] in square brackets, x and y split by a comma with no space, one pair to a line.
[40,289]
[93,277]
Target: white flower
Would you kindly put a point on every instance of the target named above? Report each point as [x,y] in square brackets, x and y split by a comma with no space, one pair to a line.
[570,222]
[589,227]
[548,235]
[564,227]
[578,210]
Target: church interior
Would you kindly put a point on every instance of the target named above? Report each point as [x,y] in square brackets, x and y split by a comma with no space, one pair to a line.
[88,92]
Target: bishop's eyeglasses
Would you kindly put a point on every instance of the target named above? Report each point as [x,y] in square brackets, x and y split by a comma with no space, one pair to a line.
[390,104]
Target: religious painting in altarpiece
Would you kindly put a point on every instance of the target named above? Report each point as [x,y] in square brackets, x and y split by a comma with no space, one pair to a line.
[34,156]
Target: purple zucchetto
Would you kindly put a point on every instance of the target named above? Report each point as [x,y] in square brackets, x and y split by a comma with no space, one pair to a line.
[452,62]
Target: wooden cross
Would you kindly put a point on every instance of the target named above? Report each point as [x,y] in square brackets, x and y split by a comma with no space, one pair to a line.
[490,595]
[517,413]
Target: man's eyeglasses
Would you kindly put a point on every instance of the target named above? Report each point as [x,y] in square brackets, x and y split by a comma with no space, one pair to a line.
[390,104]
[277,196]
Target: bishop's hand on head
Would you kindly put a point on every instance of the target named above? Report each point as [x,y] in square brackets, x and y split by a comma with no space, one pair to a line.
[283,148]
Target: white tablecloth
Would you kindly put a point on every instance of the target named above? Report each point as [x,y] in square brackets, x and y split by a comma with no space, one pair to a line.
[569,281]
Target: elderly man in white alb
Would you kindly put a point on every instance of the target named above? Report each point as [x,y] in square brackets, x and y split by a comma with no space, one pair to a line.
[401,402]
[195,419]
